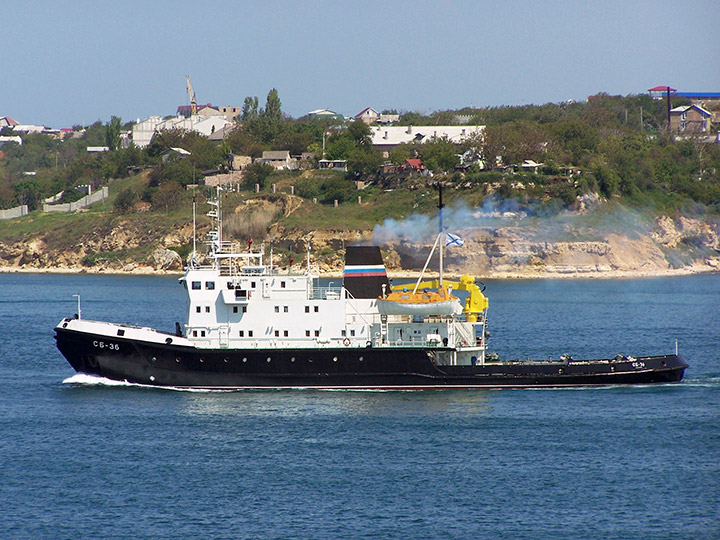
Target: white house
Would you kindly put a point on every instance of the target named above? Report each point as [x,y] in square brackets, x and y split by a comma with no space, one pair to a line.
[143,131]
[386,138]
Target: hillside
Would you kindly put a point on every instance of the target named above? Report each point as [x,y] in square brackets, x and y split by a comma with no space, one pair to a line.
[601,187]
[597,238]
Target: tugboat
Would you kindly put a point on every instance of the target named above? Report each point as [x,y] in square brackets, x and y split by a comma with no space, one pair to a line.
[253,325]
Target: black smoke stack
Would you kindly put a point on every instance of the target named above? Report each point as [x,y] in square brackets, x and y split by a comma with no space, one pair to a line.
[364,273]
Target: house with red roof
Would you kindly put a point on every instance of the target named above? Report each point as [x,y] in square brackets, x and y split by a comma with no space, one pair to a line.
[6,121]
[368,115]
[413,164]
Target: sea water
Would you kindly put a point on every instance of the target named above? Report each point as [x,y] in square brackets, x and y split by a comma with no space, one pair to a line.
[82,458]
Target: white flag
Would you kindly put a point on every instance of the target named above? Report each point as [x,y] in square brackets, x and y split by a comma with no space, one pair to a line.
[453,240]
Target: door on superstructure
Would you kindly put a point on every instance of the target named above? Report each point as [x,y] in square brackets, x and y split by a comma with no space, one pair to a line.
[224,336]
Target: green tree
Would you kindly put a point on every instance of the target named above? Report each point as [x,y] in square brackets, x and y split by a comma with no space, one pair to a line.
[125,201]
[112,133]
[250,109]
[439,154]
[167,197]
[28,192]
[360,133]
[273,107]
[257,173]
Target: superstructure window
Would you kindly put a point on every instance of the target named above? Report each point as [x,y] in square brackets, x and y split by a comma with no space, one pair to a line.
[235,309]
[282,284]
[242,333]
[210,285]
[244,309]
[207,309]
[197,309]
[277,333]
[285,333]
[317,333]
[307,333]
[277,309]
[316,309]
[196,285]
[307,309]
[250,333]
[285,309]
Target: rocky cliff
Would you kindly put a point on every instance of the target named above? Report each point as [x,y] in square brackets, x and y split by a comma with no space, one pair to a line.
[573,245]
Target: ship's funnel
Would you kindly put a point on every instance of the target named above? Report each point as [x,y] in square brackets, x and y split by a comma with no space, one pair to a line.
[364,274]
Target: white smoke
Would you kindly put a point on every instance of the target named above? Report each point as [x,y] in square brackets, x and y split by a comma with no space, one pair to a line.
[534,220]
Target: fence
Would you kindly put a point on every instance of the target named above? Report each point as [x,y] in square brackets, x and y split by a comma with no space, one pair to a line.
[82,203]
[12,213]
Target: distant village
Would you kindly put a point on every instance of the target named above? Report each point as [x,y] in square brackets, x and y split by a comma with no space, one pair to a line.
[701,117]
[698,117]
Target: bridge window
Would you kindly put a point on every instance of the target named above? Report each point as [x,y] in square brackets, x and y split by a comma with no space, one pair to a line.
[196,285]
[210,285]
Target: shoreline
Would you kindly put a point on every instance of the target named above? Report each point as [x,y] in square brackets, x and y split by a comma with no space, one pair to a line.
[406,274]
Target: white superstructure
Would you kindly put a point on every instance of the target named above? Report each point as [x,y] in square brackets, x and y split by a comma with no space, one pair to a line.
[237,301]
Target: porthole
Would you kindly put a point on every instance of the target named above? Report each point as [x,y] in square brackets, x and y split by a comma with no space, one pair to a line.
[268,359]
[334,358]
[244,359]
[361,358]
[177,359]
[153,359]
[202,360]
[292,359]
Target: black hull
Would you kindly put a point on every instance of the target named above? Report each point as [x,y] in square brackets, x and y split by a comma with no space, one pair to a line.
[343,368]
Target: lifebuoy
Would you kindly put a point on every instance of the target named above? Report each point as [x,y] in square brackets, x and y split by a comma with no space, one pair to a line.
[346,342]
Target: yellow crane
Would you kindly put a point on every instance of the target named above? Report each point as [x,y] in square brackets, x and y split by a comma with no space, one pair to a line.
[193,101]
[475,303]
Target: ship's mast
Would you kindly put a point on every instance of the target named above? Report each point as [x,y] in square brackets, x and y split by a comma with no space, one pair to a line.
[215,213]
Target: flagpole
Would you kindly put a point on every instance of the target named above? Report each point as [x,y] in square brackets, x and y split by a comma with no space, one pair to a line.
[440,212]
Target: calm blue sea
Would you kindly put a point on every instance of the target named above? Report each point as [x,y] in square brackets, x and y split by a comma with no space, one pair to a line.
[99,461]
